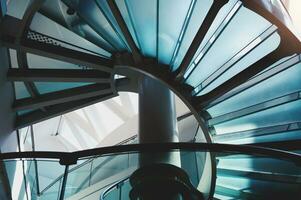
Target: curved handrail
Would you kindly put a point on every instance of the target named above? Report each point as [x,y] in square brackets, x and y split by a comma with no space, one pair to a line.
[69,158]
[82,164]
[105,192]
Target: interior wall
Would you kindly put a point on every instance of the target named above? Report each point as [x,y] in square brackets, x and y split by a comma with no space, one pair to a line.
[6,90]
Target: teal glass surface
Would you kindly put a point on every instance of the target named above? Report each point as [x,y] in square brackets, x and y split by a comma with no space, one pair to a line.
[196,17]
[53,192]
[93,16]
[31,180]
[268,89]
[236,35]
[105,167]
[123,7]
[105,9]
[143,16]
[47,87]
[20,90]
[49,173]
[41,62]
[222,19]
[259,52]
[18,8]
[276,137]
[286,113]
[65,37]
[171,24]
[78,179]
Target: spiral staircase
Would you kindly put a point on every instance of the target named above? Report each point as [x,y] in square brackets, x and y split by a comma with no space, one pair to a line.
[234,63]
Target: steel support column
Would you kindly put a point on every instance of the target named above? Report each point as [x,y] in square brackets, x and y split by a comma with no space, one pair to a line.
[157,114]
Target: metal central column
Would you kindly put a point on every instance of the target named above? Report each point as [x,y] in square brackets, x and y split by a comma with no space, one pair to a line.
[157,113]
[157,120]
[160,175]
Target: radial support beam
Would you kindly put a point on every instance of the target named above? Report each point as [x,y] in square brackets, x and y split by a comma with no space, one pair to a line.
[261,176]
[255,108]
[240,78]
[197,40]
[117,14]
[274,12]
[258,132]
[214,37]
[291,145]
[56,110]
[58,75]
[236,58]
[258,79]
[62,96]
[9,37]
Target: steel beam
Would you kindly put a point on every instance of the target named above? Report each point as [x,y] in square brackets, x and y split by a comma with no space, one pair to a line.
[97,29]
[255,108]
[62,96]
[236,58]
[238,79]
[197,40]
[213,39]
[291,145]
[56,110]
[257,79]
[9,37]
[58,75]
[127,34]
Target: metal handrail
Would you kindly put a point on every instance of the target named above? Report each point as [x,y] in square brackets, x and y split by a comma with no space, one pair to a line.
[110,188]
[82,164]
[69,158]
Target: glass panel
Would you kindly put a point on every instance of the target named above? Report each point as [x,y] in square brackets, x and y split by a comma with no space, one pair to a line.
[31,179]
[278,137]
[13,58]
[50,173]
[92,15]
[104,7]
[265,90]
[221,20]
[259,52]
[53,192]
[17,8]
[286,113]
[169,30]
[78,179]
[198,14]
[143,15]
[20,90]
[47,87]
[121,4]
[14,170]
[226,45]
[66,38]
[105,167]
[244,176]
[40,62]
